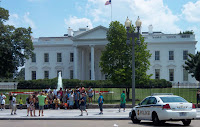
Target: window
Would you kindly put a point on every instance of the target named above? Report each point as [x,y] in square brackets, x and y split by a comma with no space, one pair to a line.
[46,74]
[106,76]
[172,99]
[171,74]
[33,75]
[152,100]
[58,72]
[185,75]
[59,57]
[71,74]
[46,57]
[71,57]
[171,55]
[144,102]
[157,55]
[157,73]
[33,58]
[185,54]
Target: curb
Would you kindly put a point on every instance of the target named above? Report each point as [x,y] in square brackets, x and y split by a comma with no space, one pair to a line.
[127,118]
[65,119]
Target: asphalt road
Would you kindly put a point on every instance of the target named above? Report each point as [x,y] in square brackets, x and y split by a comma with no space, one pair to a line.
[86,123]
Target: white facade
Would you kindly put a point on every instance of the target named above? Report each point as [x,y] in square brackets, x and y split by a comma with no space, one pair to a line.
[79,55]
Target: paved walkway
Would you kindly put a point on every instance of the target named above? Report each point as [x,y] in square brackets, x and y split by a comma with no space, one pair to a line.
[93,114]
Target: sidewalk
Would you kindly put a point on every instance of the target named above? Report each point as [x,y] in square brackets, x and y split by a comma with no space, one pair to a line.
[61,114]
[93,114]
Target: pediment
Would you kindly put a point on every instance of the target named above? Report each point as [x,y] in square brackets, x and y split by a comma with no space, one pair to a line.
[33,68]
[93,34]
[46,68]
[171,66]
[157,66]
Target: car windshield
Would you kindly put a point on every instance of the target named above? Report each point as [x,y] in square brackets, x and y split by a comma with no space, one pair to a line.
[172,99]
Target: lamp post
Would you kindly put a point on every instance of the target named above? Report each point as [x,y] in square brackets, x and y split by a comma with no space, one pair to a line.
[133,35]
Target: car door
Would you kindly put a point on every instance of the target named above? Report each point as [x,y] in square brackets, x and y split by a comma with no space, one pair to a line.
[152,107]
[141,109]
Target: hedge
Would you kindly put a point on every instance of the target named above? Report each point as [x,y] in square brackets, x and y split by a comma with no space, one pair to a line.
[72,83]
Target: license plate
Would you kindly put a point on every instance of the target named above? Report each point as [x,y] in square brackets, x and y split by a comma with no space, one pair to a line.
[182,114]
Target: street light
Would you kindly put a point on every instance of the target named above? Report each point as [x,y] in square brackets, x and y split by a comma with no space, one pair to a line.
[133,35]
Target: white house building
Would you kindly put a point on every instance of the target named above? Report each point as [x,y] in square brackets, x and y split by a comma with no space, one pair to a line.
[77,55]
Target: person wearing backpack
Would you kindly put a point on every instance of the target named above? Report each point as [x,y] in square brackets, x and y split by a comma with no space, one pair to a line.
[100,102]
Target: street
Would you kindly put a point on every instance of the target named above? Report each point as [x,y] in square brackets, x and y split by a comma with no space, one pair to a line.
[85,123]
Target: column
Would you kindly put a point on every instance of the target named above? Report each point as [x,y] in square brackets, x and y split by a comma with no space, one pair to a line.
[75,62]
[92,62]
[83,64]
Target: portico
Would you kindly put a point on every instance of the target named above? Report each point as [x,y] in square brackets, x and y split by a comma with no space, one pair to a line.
[87,51]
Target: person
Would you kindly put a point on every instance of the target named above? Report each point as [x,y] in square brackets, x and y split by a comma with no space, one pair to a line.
[71,100]
[46,106]
[55,92]
[50,98]
[41,98]
[90,94]
[56,102]
[81,89]
[10,99]
[34,104]
[100,102]
[20,103]
[14,105]
[76,99]
[83,104]
[28,104]
[2,100]
[122,101]
[31,100]
[198,96]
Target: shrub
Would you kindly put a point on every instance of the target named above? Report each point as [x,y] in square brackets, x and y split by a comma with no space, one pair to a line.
[72,83]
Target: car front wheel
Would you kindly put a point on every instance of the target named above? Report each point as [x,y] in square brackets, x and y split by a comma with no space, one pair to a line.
[186,122]
[134,118]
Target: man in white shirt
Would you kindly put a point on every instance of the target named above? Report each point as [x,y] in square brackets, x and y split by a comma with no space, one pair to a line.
[14,105]
[2,100]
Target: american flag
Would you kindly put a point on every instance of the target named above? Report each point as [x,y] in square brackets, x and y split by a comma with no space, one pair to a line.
[108,2]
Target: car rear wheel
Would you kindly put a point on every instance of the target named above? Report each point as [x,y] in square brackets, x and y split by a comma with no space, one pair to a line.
[186,122]
[155,119]
[134,118]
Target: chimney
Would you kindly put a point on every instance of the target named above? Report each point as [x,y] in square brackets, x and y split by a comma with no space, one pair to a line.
[70,32]
[150,29]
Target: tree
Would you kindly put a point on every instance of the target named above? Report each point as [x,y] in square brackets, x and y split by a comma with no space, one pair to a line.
[20,75]
[193,65]
[116,59]
[15,46]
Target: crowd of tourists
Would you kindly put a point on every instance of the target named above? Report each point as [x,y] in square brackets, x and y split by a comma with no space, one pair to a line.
[56,99]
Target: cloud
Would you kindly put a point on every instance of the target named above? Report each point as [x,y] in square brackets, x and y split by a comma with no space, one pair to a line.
[150,11]
[21,21]
[191,11]
[76,23]
[28,21]
[13,19]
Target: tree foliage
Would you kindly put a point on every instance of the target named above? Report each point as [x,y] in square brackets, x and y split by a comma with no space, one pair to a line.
[116,59]
[15,46]
[193,65]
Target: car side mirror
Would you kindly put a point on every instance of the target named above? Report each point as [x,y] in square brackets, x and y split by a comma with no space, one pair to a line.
[139,104]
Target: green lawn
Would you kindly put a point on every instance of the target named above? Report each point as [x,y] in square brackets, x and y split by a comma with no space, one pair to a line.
[113,98]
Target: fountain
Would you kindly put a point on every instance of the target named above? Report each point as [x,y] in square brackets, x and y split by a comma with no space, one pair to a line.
[59,85]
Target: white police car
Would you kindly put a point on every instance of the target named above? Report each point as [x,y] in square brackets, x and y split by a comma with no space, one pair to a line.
[160,108]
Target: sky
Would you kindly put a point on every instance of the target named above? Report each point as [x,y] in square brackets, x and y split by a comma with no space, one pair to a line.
[51,18]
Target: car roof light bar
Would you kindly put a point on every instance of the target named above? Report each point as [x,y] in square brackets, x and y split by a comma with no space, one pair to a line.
[153,94]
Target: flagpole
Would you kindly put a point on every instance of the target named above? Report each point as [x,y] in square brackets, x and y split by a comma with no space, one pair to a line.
[111,11]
